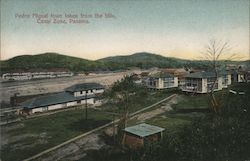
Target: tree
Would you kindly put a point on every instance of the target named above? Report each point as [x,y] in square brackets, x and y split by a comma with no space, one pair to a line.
[120,94]
[214,52]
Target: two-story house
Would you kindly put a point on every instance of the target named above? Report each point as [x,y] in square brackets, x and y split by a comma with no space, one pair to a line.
[161,80]
[78,94]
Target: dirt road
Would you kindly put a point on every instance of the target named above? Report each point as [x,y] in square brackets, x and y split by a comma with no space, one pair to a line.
[167,106]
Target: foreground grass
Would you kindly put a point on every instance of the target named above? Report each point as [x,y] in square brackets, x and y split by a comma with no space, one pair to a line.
[38,134]
[198,101]
[176,119]
[192,102]
[183,113]
[195,135]
[137,102]
[172,122]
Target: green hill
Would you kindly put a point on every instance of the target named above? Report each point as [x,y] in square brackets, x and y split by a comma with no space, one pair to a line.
[142,60]
[47,61]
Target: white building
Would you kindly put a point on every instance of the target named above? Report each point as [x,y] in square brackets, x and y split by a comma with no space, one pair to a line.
[202,82]
[36,75]
[79,94]
[226,79]
[161,80]
[177,72]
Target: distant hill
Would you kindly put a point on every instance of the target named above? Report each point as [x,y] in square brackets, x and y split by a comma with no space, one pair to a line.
[47,61]
[142,60]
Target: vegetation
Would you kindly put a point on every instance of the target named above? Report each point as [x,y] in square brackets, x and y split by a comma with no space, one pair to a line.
[35,135]
[127,97]
[192,102]
[213,53]
[47,61]
[38,134]
[171,122]
[224,135]
[54,60]
[143,60]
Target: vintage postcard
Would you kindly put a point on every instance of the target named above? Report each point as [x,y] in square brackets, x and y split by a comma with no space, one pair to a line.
[125,80]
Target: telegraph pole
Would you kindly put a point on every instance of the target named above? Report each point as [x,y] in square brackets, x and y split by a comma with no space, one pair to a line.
[86,106]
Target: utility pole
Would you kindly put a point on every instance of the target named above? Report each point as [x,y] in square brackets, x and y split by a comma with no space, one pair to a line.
[86,106]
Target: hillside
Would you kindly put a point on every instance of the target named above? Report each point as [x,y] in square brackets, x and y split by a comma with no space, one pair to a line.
[47,61]
[142,60]
[54,60]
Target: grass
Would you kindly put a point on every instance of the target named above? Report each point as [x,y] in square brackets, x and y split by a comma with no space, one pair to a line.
[192,102]
[138,102]
[62,126]
[57,128]
[187,104]
[169,123]
[199,101]
[173,121]
[183,112]
[65,125]
[142,102]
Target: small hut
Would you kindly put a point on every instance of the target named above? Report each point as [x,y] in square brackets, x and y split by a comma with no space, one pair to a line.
[136,136]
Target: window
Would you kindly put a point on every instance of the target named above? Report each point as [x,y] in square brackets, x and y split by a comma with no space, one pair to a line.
[152,82]
[168,82]
[193,84]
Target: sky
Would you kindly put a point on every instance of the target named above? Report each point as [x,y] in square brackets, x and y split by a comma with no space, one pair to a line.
[173,28]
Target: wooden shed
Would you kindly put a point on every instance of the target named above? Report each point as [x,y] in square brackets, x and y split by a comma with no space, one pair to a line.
[136,136]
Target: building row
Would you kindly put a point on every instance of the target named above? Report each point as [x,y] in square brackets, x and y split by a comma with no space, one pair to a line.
[21,75]
[89,93]
[197,81]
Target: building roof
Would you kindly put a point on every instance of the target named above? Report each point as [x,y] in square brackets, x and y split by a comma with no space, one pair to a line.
[224,72]
[143,74]
[84,86]
[161,75]
[201,74]
[144,130]
[178,72]
[173,70]
[21,98]
[52,99]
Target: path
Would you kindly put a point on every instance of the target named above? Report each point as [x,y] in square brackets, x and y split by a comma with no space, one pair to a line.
[69,144]
[164,108]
